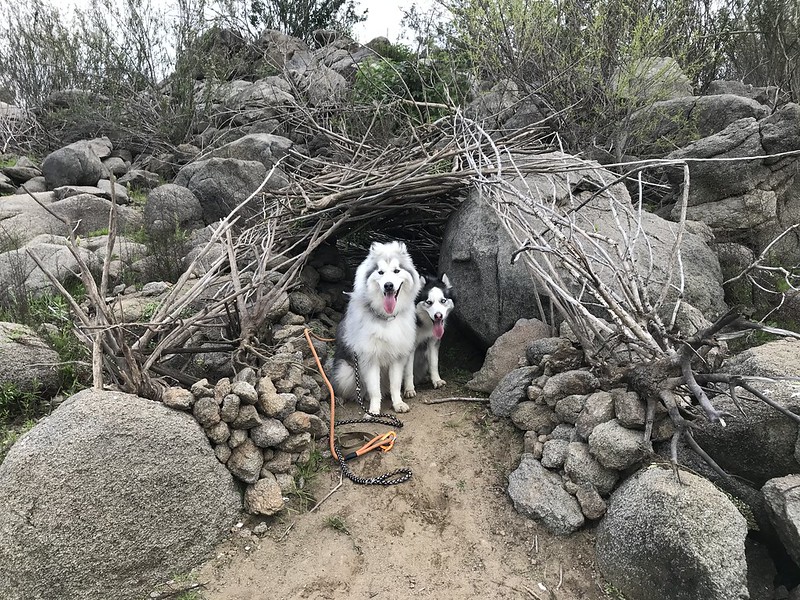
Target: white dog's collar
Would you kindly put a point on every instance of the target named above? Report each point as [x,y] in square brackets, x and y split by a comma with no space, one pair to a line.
[381,315]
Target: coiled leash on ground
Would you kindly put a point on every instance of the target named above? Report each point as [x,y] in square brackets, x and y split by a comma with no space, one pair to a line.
[385,441]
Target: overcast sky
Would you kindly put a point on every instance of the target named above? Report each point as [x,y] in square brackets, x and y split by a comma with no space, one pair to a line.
[383,18]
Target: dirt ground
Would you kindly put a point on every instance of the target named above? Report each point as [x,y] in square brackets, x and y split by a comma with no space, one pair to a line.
[449,532]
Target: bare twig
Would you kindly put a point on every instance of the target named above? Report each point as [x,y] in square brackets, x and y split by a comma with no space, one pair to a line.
[454,399]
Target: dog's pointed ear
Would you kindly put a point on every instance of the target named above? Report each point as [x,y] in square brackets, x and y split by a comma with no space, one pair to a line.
[446,281]
[373,246]
[422,280]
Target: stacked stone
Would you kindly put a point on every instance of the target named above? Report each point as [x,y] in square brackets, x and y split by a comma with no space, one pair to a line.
[262,425]
[580,440]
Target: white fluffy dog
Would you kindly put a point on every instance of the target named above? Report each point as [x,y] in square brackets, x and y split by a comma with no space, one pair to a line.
[377,334]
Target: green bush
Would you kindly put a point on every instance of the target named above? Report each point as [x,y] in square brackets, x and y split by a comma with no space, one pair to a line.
[421,89]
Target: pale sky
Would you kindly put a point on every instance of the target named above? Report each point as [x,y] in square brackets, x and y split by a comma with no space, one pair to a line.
[383,18]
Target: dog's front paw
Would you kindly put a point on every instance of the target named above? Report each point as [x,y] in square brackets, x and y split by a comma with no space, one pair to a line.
[401,407]
[410,393]
[439,383]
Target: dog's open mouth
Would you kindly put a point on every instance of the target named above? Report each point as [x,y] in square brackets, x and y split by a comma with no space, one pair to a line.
[438,326]
[390,300]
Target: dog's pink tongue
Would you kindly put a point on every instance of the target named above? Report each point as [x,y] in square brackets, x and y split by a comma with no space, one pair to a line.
[438,329]
[389,303]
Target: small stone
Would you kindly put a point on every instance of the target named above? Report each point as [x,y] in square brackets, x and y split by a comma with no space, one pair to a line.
[529,440]
[582,467]
[155,288]
[222,452]
[599,408]
[261,529]
[533,393]
[569,383]
[663,430]
[615,446]
[298,422]
[630,410]
[222,389]
[291,318]
[531,416]
[319,427]
[270,432]
[563,431]
[238,437]
[306,402]
[554,454]
[218,433]
[178,398]
[246,392]
[569,408]
[264,497]
[592,505]
[247,418]
[281,462]
[286,482]
[570,486]
[206,411]
[246,461]
[331,273]
[296,442]
[538,450]
[203,389]
[247,375]
[230,408]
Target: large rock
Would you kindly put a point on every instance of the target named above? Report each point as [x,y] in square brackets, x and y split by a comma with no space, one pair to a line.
[24,219]
[221,184]
[476,249]
[20,275]
[751,200]
[76,164]
[170,208]
[664,539]
[539,494]
[762,444]
[506,353]
[476,255]
[581,467]
[108,496]
[511,390]
[782,498]
[26,361]
[615,446]
[265,148]
[667,124]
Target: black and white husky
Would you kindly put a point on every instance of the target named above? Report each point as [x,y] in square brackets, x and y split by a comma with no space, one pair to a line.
[378,330]
[434,303]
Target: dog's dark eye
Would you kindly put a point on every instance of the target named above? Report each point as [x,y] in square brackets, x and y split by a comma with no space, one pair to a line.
[396,271]
[429,302]
[380,272]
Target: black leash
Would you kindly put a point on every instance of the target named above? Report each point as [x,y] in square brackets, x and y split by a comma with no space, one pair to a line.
[400,475]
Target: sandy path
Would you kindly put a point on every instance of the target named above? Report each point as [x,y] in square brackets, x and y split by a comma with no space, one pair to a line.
[450,532]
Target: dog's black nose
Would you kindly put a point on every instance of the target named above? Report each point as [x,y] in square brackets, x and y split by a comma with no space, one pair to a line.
[388,286]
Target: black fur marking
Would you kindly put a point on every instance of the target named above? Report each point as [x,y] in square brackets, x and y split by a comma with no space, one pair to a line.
[434,281]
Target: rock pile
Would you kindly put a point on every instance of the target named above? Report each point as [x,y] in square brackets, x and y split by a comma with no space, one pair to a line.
[586,439]
[264,424]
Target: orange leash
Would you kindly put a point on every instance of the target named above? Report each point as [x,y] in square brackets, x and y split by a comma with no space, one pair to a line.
[308,335]
[383,441]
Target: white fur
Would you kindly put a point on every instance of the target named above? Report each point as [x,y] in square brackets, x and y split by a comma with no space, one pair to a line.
[427,346]
[381,343]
